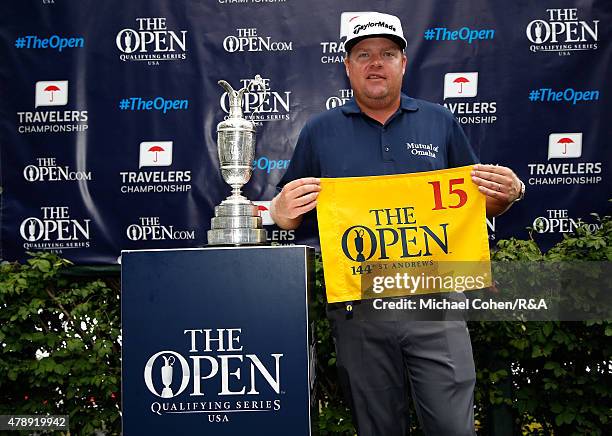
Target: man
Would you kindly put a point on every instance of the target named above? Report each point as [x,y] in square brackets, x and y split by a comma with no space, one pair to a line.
[380,362]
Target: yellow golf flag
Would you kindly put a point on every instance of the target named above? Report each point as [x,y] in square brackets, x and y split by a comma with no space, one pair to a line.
[403,234]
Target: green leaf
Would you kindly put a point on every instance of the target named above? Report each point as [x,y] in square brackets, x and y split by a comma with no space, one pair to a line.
[43,265]
[537,351]
[551,365]
[567,417]
[556,407]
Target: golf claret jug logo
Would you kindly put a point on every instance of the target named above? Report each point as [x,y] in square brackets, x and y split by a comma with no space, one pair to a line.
[48,93]
[564,145]
[149,228]
[343,96]
[51,93]
[247,39]
[465,85]
[151,41]
[562,32]
[363,242]
[155,154]
[56,230]
[214,375]
[275,105]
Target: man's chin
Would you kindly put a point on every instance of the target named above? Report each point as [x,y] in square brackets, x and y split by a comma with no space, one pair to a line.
[378,100]
[377,94]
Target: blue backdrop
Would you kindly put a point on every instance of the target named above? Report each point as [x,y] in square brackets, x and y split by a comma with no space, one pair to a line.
[109,109]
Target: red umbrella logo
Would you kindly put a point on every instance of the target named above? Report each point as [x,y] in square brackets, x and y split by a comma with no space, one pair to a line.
[460,81]
[565,141]
[156,149]
[262,208]
[52,89]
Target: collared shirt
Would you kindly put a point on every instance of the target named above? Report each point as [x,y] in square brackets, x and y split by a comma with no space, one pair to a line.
[345,142]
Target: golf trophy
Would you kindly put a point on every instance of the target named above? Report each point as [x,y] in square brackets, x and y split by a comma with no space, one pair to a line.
[166,373]
[237,221]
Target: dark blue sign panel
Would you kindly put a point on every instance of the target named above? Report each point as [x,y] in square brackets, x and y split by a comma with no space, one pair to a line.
[108,109]
[216,341]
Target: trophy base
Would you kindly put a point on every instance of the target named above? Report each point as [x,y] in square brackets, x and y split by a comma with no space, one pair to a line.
[233,236]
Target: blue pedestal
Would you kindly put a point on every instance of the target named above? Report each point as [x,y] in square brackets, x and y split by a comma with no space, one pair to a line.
[217,341]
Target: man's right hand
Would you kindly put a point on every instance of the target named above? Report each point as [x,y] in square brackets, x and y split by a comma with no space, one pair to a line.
[297,197]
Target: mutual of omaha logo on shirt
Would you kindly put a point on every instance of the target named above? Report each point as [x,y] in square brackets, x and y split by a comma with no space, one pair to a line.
[422,149]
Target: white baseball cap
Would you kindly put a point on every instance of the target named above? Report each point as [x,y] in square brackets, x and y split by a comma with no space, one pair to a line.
[356,26]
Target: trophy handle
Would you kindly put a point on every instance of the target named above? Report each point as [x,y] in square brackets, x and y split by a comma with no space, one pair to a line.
[239,96]
[228,88]
[235,99]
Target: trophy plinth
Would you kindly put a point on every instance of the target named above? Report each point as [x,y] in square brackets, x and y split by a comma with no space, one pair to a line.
[233,236]
[237,221]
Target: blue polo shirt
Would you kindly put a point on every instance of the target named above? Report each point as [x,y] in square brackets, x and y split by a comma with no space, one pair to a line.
[345,142]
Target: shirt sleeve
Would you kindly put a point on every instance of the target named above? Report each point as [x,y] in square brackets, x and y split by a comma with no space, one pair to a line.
[304,162]
[460,152]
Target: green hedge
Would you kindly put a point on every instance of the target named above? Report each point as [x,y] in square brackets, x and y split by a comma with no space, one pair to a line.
[76,324]
[540,377]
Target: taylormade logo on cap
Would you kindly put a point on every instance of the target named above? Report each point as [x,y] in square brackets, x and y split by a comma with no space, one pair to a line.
[355,26]
[360,27]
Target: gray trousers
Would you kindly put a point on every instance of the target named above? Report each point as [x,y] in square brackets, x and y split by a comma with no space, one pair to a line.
[380,362]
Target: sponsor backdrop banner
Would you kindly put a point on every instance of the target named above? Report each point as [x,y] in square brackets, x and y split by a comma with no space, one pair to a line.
[109,109]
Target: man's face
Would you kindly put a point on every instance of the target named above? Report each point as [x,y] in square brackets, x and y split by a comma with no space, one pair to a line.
[375,68]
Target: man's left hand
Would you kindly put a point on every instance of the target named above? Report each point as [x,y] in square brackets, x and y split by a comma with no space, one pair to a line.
[500,185]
